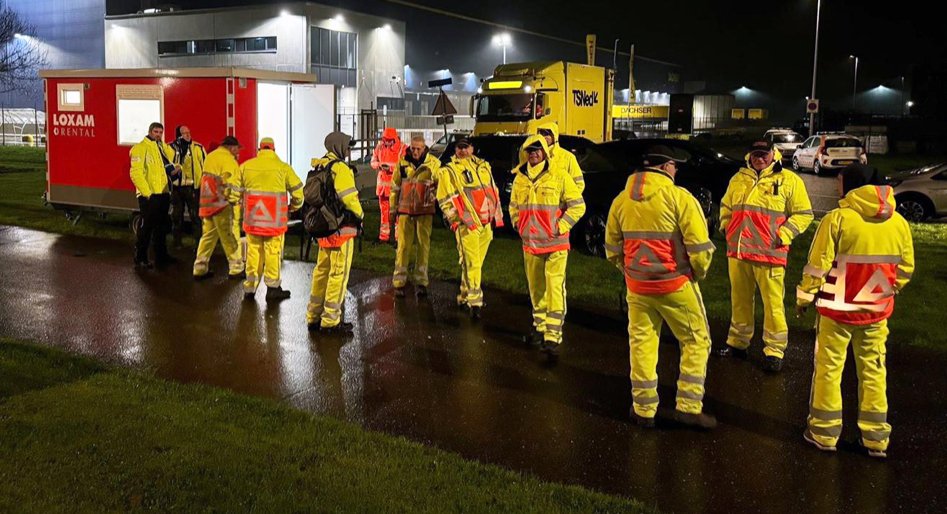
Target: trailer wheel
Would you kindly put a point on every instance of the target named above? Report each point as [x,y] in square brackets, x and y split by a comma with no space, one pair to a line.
[135,223]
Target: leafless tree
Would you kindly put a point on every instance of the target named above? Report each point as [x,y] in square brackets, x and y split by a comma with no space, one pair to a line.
[21,54]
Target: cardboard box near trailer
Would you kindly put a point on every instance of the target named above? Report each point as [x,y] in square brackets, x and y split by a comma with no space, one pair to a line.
[95,116]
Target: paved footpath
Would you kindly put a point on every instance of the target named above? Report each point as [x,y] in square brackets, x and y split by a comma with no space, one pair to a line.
[421,369]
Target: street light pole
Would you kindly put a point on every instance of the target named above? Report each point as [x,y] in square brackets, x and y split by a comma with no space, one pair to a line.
[815,64]
[855,83]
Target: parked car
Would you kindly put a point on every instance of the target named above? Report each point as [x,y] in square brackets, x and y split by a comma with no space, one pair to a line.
[829,153]
[921,194]
[607,166]
[437,149]
[785,140]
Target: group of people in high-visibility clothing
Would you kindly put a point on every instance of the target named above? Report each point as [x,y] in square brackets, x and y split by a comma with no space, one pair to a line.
[656,233]
[861,257]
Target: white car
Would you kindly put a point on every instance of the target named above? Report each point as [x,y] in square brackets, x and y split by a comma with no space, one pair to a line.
[829,153]
[785,140]
[921,194]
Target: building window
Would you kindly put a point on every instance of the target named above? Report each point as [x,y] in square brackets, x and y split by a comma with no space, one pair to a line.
[71,97]
[217,46]
[334,56]
[138,106]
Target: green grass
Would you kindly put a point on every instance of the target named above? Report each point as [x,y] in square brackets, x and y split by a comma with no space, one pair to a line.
[592,283]
[85,438]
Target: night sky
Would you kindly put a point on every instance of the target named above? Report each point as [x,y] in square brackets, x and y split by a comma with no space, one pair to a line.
[766,46]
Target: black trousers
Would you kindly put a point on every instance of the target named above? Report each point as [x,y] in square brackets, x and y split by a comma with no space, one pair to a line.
[154,228]
[181,197]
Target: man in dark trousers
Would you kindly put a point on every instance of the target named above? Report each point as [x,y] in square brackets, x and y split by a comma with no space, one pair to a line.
[152,170]
[185,190]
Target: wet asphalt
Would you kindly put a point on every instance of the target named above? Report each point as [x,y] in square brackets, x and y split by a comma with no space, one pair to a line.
[422,369]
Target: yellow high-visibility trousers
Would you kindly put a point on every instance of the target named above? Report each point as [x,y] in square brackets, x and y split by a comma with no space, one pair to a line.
[745,278]
[683,311]
[546,276]
[237,221]
[218,228]
[414,233]
[472,246]
[825,404]
[330,280]
[264,258]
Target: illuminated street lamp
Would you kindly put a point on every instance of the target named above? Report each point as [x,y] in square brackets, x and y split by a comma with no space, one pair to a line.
[855,83]
[503,40]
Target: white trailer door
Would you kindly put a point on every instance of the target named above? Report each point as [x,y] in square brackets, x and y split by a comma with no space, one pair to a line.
[312,118]
[273,116]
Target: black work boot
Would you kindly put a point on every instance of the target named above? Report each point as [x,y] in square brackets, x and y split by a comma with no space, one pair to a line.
[772,364]
[143,264]
[534,338]
[399,292]
[551,350]
[640,421]
[276,294]
[203,277]
[342,328]
[699,421]
[730,351]
[421,291]
[475,313]
[237,276]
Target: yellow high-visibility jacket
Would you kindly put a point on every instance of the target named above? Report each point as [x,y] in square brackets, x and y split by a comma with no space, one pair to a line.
[262,183]
[192,164]
[343,178]
[147,167]
[761,213]
[219,169]
[545,204]
[657,235]
[414,188]
[861,257]
[467,193]
[564,158]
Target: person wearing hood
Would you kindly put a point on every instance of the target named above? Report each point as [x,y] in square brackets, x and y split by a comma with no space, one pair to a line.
[330,277]
[862,256]
[764,209]
[560,156]
[190,155]
[385,159]
[262,184]
[657,235]
[470,203]
[545,204]
[217,213]
[413,202]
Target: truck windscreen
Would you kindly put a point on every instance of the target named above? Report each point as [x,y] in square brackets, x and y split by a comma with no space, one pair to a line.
[511,107]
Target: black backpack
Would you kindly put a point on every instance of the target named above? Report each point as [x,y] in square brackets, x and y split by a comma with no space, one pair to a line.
[323,212]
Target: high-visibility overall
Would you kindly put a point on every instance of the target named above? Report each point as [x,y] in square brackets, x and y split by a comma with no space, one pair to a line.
[262,183]
[470,202]
[761,213]
[861,257]
[545,204]
[564,158]
[657,235]
[330,277]
[217,214]
[388,153]
[413,201]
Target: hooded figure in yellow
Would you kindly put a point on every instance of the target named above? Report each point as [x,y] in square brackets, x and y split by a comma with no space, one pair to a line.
[862,256]
[559,155]
[269,189]
[764,209]
[657,235]
[545,204]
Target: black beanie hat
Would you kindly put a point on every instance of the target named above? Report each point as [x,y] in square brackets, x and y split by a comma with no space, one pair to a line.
[858,175]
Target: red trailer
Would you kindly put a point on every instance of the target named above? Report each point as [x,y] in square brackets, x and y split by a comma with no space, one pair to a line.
[95,116]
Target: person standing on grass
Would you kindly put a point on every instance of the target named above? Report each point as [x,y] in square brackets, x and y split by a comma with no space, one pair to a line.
[657,235]
[152,172]
[862,256]
[385,159]
[413,202]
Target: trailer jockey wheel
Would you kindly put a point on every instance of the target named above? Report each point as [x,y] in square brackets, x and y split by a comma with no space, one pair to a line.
[136,223]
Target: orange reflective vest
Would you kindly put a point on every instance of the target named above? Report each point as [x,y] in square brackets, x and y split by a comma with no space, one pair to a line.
[213,195]
[657,234]
[761,213]
[265,213]
[861,257]
[264,182]
[414,187]
[390,156]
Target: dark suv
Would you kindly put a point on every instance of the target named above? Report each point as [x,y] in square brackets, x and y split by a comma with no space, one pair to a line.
[607,166]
